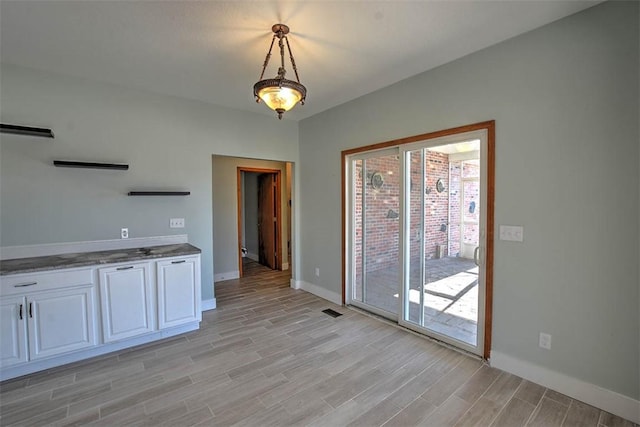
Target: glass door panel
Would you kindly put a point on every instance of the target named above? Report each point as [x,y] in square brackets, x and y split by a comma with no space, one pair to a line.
[376,218]
[442,225]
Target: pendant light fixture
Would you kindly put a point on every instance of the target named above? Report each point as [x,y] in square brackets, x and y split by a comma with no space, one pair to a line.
[279,93]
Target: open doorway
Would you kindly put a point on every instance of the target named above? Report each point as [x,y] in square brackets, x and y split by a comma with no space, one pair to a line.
[234,222]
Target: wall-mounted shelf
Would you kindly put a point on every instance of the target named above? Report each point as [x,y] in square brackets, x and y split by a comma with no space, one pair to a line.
[89,165]
[26,130]
[159,193]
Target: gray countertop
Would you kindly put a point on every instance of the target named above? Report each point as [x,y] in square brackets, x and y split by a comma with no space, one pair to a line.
[82,259]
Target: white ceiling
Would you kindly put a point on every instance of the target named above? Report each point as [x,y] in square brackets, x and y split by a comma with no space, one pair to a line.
[213,51]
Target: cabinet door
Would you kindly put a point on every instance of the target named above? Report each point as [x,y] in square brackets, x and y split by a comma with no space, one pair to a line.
[13,339]
[61,321]
[126,298]
[178,291]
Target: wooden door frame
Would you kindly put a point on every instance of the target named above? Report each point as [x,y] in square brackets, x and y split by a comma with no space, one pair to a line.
[490,128]
[240,192]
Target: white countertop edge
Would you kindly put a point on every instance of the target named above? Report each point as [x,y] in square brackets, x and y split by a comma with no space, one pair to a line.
[27,251]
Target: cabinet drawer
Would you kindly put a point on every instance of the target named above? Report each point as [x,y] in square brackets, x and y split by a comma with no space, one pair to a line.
[35,282]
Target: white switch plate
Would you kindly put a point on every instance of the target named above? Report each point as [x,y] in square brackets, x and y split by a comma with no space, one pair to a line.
[317,272]
[176,223]
[124,233]
[513,233]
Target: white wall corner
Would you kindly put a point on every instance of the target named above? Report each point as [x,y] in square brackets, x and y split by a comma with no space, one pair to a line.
[209,304]
[295,284]
[318,291]
[608,400]
[229,275]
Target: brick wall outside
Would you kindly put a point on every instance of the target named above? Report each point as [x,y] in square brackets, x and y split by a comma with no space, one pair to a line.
[436,204]
[455,170]
[471,194]
[441,209]
[382,207]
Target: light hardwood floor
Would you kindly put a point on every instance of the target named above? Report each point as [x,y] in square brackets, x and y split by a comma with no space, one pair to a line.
[269,356]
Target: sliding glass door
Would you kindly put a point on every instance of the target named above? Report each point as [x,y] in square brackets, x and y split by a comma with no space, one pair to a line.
[417,236]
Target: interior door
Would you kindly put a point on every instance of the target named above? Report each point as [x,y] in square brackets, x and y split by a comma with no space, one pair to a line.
[375,226]
[267,220]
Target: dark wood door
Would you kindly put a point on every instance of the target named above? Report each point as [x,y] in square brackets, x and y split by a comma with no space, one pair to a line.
[267,220]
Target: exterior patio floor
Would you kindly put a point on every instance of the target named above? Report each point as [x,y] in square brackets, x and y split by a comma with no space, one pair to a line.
[450,292]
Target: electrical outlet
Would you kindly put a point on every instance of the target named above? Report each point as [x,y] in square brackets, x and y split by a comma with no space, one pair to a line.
[176,223]
[124,233]
[545,341]
[317,272]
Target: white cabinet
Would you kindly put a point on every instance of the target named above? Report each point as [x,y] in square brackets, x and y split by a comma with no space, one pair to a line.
[54,317]
[127,301]
[61,321]
[179,300]
[13,331]
[43,316]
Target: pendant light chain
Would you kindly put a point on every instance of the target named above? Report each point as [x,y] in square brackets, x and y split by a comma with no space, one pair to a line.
[281,71]
[293,61]
[266,59]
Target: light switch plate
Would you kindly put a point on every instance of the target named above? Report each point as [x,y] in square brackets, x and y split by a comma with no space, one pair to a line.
[512,233]
[176,223]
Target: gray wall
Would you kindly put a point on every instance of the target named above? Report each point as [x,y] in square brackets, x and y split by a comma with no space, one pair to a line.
[565,101]
[168,143]
[225,209]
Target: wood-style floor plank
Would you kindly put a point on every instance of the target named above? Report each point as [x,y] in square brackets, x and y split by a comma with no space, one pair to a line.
[269,356]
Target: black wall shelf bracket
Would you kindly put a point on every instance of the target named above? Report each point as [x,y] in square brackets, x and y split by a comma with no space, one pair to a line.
[89,165]
[26,130]
[159,193]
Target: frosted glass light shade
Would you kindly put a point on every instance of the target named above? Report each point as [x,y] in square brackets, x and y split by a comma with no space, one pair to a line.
[280,98]
[279,94]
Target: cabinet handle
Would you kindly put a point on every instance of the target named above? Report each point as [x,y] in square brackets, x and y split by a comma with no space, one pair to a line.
[178,262]
[125,268]
[20,311]
[23,285]
[31,310]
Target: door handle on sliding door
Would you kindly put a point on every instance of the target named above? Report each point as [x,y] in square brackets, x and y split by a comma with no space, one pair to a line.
[476,252]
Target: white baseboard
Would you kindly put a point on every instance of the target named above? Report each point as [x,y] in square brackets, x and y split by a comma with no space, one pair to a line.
[253,256]
[209,304]
[319,291]
[608,400]
[27,251]
[229,275]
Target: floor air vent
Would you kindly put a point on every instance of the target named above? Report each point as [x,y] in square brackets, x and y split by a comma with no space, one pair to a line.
[331,313]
